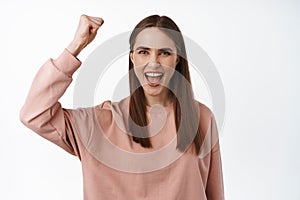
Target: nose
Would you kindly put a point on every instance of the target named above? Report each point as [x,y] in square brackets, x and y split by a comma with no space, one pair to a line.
[154,58]
[153,62]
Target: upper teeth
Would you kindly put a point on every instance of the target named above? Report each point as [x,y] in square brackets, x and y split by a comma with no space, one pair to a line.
[155,74]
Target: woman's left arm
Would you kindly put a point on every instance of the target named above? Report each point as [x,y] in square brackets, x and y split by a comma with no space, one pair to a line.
[215,186]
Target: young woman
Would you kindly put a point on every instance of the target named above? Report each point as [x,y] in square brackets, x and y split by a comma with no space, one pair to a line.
[158,143]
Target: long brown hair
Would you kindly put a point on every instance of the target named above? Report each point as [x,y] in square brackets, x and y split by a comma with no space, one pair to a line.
[185,109]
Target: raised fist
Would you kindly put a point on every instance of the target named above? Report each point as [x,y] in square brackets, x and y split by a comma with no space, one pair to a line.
[86,32]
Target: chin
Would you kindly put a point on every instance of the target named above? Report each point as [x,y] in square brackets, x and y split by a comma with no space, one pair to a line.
[153,92]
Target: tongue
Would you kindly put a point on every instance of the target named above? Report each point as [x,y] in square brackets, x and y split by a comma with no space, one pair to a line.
[153,80]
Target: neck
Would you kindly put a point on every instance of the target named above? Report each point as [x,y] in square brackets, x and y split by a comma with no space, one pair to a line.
[162,99]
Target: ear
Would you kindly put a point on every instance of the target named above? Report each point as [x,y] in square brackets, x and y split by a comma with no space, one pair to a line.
[177,60]
[131,57]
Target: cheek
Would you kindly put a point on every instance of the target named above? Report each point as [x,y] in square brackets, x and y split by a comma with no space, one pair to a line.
[139,60]
[169,71]
[139,73]
[170,62]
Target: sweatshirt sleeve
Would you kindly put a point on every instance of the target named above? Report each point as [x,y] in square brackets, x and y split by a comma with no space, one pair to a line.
[215,187]
[42,112]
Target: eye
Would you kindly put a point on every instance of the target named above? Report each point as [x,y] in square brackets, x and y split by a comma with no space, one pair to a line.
[142,52]
[165,53]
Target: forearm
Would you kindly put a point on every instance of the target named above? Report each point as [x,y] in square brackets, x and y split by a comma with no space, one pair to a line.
[215,185]
[48,86]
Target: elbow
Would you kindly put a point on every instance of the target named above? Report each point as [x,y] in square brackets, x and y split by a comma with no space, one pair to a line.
[23,116]
[36,121]
[28,118]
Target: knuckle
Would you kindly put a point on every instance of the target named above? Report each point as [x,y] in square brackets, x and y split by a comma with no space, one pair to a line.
[83,17]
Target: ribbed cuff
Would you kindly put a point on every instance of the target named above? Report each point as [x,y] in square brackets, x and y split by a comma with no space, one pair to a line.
[67,63]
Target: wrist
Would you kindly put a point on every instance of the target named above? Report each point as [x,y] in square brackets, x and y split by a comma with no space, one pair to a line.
[74,48]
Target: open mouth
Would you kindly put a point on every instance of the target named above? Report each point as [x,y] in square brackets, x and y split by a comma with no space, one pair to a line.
[154,78]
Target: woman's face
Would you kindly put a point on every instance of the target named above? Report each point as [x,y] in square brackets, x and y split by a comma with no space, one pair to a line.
[154,58]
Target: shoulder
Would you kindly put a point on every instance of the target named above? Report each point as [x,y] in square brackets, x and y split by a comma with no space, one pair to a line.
[205,116]
[106,107]
[109,111]
[88,113]
[204,110]
[109,105]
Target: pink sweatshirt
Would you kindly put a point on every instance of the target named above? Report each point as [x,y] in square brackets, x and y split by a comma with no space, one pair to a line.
[113,165]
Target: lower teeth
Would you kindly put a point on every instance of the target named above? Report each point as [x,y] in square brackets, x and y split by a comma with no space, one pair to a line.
[153,79]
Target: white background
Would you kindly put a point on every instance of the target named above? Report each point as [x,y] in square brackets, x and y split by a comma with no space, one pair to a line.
[255,46]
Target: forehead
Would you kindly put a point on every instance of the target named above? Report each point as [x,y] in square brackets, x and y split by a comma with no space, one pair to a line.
[154,38]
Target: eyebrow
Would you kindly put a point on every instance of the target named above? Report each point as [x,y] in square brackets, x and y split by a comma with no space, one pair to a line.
[162,49]
[141,47]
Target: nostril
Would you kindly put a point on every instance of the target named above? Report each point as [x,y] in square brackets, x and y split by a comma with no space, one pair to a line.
[154,65]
